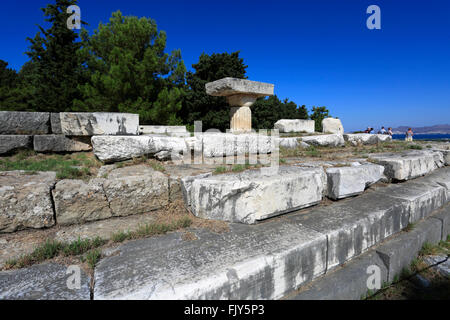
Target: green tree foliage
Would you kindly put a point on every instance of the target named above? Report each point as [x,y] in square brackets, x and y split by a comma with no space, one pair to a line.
[318,114]
[214,112]
[130,72]
[8,76]
[56,69]
[8,81]
[267,111]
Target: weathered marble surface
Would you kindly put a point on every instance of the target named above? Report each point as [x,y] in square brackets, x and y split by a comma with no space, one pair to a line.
[233,86]
[25,200]
[10,143]
[27,123]
[332,125]
[254,195]
[295,125]
[61,143]
[98,123]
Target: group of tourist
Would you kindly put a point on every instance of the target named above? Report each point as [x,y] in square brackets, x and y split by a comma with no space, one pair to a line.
[408,135]
[381,131]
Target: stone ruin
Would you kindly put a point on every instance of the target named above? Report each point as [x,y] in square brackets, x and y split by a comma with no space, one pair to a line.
[241,94]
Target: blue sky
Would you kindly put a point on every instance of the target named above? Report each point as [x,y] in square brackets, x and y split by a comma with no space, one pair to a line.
[316,52]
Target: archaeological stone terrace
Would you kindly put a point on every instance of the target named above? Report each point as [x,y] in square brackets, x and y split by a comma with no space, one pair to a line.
[290,218]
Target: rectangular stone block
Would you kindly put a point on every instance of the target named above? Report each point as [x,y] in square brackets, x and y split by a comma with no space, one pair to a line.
[347,283]
[254,195]
[422,198]
[117,148]
[443,215]
[325,140]
[61,143]
[162,129]
[55,122]
[11,143]
[122,192]
[248,263]
[399,252]
[136,189]
[27,123]
[25,200]
[295,125]
[78,202]
[99,123]
[228,144]
[409,165]
[367,138]
[233,86]
[349,181]
[354,226]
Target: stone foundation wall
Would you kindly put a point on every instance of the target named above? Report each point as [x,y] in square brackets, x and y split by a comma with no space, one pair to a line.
[60,132]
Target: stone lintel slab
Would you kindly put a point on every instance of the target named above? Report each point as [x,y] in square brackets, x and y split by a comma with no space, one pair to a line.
[249,262]
[98,123]
[233,86]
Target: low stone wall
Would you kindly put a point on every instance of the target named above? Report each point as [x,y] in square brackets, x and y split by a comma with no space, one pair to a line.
[35,201]
[60,132]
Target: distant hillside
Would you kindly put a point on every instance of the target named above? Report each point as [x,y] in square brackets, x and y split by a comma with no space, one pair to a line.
[437,129]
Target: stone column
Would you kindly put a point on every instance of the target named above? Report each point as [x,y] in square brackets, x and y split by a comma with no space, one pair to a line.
[240,112]
[241,94]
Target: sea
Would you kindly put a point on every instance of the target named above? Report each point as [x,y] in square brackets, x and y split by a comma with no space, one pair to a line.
[418,136]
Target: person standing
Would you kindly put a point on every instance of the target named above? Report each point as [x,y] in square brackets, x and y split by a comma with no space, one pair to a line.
[383,130]
[390,131]
[409,135]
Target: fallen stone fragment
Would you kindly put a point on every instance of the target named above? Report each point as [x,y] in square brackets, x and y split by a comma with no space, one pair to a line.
[366,138]
[25,200]
[10,143]
[254,195]
[409,165]
[332,125]
[61,143]
[345,182]
[47,281]
[295,125]
[265,261]
[117,148]
[27,123]
[326,140]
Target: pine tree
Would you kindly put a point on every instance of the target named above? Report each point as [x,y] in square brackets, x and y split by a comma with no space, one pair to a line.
[318,114]
[56,64]
[129,71]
